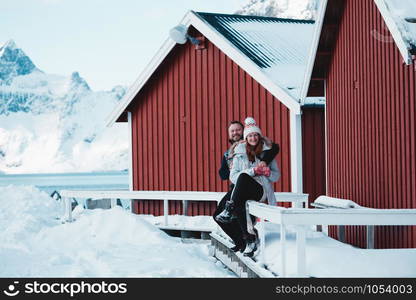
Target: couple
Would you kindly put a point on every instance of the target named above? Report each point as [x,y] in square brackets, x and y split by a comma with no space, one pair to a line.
[250,165]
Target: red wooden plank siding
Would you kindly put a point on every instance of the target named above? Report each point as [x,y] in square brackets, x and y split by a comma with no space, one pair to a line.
[313,149]
[371,123]
[185,108]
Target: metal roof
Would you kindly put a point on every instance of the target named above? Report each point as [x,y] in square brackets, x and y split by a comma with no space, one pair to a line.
[279,47]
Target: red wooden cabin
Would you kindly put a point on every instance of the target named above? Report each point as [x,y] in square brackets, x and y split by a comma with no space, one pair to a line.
[366,62]
[180,106]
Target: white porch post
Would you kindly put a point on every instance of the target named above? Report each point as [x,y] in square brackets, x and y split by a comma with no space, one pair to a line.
[296,152]
[297,182]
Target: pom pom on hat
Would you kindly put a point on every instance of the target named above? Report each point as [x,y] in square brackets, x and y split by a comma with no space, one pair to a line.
[250,126]
[249,121]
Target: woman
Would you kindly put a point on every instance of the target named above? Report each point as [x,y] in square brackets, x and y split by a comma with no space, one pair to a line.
[253,180]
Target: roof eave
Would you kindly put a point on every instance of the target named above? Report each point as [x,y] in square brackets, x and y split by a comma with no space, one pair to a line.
[395,32]
[313,50]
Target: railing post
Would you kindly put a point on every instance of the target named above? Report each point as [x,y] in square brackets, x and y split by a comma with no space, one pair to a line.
[297,204]
[283,249]
[68,209]
[341,233]
[185,205]
[165,210]
[63,209]
[325,229]
[262,241]
[301,251]
[370,237]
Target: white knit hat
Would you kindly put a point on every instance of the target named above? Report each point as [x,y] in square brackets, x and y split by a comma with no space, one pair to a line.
[250,126]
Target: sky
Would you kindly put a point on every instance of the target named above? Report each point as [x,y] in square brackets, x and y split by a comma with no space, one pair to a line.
[108,42]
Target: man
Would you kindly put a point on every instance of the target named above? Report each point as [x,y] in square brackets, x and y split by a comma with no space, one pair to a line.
[228,224]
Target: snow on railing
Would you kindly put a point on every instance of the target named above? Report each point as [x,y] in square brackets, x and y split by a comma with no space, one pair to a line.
[330,202]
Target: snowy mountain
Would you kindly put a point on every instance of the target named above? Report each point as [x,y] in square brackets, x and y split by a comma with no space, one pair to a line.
[55,123]
[14,62]
[290,9]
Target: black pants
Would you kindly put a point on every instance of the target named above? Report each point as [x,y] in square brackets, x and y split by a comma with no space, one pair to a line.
[231,229]
[246,188]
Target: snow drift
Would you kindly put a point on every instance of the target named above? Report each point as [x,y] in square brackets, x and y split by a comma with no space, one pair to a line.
[100,243]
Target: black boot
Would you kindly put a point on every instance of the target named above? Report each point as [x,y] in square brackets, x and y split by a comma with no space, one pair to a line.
[235,248]
[251,246]
[226,215]
[239,246]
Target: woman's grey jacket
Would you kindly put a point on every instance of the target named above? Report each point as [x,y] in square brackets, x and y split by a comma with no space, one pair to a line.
[241,164]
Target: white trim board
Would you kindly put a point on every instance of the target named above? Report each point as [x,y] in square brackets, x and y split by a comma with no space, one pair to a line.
[313,50]
[129,119]
[191,18]
[394,30]
[296,152]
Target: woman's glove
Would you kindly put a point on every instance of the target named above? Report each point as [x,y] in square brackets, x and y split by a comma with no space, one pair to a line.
[259,171]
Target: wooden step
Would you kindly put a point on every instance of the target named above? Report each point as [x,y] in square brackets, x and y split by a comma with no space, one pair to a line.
[241,265]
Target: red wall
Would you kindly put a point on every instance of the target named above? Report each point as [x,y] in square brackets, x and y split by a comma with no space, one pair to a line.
[313,149]
[180,121]
[371,122]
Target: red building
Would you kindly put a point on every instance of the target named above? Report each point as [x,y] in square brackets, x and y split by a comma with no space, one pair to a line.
[365,59]
[358,57]
[180,106]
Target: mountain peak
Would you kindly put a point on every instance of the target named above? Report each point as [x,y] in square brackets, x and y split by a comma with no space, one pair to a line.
[290,9]
[9,44]
[75,76]
[13,62]
[78,82]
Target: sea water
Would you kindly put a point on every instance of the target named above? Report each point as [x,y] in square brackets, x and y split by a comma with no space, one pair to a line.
[112,180]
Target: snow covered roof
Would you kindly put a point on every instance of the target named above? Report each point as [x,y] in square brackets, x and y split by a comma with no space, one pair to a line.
[314,101]
[400,18]
[264,47]
[279,47]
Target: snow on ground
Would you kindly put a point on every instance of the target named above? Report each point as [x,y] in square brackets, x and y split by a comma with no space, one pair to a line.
[181,221]
[117,243]
[326,257]
[99,243]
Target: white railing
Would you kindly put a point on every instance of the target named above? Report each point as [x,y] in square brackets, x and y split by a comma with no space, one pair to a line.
[165,196]
[330,216]
[297,200]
